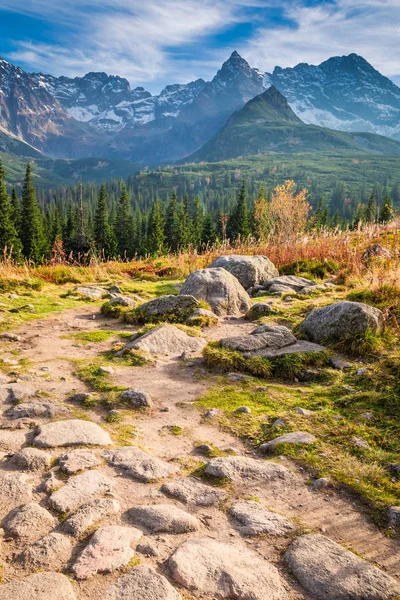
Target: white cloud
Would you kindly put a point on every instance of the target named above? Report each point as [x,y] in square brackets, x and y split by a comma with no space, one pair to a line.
[367,27]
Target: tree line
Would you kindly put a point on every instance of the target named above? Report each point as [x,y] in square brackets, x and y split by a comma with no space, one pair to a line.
[94,222]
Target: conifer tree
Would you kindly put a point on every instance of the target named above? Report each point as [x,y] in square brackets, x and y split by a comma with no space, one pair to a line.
[197,223]
[123,225]
[386,212]
[9,240]
[209,235]
[183,226]
[238,225]
[171,228]
[156,235]
[16,210]
[371,210]
[31,221]
[103,234]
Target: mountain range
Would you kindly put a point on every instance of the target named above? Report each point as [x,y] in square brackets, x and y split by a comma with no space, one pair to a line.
[100,115]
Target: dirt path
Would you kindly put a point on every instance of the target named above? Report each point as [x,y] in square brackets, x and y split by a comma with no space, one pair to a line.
[173,387]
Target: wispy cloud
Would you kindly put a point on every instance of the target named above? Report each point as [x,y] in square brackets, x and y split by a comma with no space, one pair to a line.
[152,42]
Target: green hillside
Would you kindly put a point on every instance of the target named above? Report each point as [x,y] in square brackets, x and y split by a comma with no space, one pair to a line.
[268,124]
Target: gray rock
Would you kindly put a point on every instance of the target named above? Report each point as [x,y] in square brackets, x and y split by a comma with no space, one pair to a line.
[254,519]
[80,489]
[296,437]
[292,283]
[340,574]
[40,586]
[163,518]
[16,392]
[273,337]
[31,459]
[279,423]
[82,397]
[14,491]
[73,432]
[50,552]
[12,439]
[91,293]
[89,514]
[138,464]
[109,549]
[340,320]
[237,377]
[114,289]
[243,410]
[192,491]
[303,411]
[321,483]
[210,414]
[10,337]
[51,483]
[28,523]
[360,443]
[202,312]
[78,460]
[181,307]
[225,571]
[167,340]
[142,583]
[242,468]
[394,516]
[122,301]
[376,250]
[107,370]
[136,398]
[220,289]
[38,408]
[147,549]
[249,270]
[278,289]
[258,310]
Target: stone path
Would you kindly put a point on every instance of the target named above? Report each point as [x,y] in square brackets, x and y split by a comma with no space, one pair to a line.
[96,510]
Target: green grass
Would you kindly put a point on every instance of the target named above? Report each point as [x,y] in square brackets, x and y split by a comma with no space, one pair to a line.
[98,336]
[310,268]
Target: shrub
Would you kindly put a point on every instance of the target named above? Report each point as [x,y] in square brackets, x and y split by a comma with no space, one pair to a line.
[314,267]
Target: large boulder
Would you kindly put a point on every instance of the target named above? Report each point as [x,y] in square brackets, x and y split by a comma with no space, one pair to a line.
[330,572]
[176,309]
[249,270]
[340,320]
[218,570]
[292,283]
[167,340]
[39,586]
[75,432]
[221,290]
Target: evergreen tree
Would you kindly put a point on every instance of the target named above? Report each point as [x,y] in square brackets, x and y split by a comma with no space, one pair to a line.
[183,225]
[386,212]
[208,235]
[156,229]
[31,221]
[197,223]
[103,234]
[123,225]
[9,240]
[371,210]
[238,224]
[16,210]
[321,214]
[171,224]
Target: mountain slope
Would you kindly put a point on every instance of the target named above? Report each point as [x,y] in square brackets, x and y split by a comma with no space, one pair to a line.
[267,123]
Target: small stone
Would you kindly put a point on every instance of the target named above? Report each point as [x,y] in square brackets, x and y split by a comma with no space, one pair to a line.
[242,468]
[362,371]
[192,491]
[307,375]
[78,460]
[79,490]
[37,408]
[296,437]
[142,583]
[88,515]
[73,432]
[204,449]
[279,423]
[164,518]
[148,550]
[339,363]
[10,337]
[39,586]
[16,392]
[82,397]
[138,464]
[135,398]
[108,370]
[394,516]
[321,483]
[50,552]
[360,443]
[114,289]
[303,411]
[28,523]
[254,519]
[367,416]
[109,549]
[31,459]
[243,410]
[237,377]
[210,414]
[51,484]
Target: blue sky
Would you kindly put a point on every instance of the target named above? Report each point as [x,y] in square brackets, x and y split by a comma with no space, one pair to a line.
[157,42]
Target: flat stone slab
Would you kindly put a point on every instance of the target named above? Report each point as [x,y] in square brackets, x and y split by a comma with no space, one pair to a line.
[142,583]
[192,491]
[14,490]
[40,586]
[253,519]
[12,439]
[78,460]
[163,518]
[167,340]
[31,459]
[138,464]
[51,552]
[80,489]
[242,468]
[330,572]
[74,432]
[225,571]
[109,549]
[91,513]
[91,293]
[16,392]
[295,437]
[36,409]
[272,337]
[28,523]
[301,346]
[293,282]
